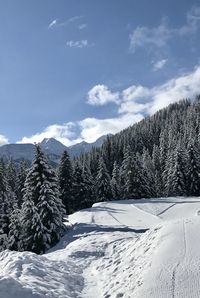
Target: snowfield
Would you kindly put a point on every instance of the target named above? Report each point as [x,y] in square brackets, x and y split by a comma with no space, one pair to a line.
[136,249]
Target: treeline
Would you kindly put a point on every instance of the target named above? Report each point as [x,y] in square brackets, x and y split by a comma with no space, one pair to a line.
[158,157]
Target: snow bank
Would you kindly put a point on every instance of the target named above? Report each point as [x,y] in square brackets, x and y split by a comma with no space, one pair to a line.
[129,249]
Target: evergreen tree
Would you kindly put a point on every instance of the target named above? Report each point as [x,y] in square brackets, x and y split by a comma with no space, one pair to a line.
[115,182]
[14,236]
[131,176]
[157,172]
[7,201]
[42,210]
[89,188]
[65,176]
[193,171]
[11,175]
[78,188]
[21,178]
[103,190]
[148,185]
[176,179]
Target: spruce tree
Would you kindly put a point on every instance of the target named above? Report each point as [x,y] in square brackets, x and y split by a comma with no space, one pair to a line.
[65,177]
[15,231]
[11,175]
[89,188]
[103,190]
[21,178]
[115,182]
[176,179]
[78,188]
[42,210]
[131,173]
[7,202]
[193,171]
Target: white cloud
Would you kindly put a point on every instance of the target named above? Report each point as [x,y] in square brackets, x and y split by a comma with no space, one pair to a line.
[193,21]
[185,86]
[52,24]
[101,95]
[159,64]
[144,36]
[56,23]
[63,133]
[78,44]
[93,128]
[132,103]
[135,92]
[147,38]
[82,26]
[3,140]
[158,97]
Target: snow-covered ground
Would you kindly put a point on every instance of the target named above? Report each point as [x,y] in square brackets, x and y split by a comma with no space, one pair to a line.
[136,249]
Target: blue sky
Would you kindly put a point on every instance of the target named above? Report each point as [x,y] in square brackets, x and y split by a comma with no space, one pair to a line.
[78,69]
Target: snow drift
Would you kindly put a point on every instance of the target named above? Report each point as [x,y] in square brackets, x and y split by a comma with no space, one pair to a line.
[144,248]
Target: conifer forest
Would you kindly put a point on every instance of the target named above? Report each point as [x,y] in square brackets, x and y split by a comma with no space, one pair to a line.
[157,157]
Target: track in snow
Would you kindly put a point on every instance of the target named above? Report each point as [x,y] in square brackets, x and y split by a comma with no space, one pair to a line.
[174,282]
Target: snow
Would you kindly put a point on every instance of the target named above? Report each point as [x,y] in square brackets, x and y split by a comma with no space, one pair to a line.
[134,248]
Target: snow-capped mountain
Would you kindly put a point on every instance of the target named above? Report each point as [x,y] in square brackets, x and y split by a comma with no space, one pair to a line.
[50,146]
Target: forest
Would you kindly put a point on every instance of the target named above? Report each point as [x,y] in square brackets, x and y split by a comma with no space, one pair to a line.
[157,157]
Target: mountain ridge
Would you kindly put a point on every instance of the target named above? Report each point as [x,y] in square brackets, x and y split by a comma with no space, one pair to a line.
[52,148]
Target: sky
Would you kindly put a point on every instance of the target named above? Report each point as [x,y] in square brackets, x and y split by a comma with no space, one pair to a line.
[75,70]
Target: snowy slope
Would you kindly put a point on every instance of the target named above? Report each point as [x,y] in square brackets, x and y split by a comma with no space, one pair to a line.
[144,248]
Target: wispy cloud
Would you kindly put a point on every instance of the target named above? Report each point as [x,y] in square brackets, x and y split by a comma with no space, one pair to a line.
[101,95]
[53,23]
[159,64]
[145,37]
[82,26]
[193,22]
[57,23]
[3,140]
[79,44]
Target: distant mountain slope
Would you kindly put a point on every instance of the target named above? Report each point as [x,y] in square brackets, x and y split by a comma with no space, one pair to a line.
[85,147]
[50,146]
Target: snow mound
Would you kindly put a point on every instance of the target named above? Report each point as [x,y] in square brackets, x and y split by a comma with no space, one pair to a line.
[129,249]
[25,274]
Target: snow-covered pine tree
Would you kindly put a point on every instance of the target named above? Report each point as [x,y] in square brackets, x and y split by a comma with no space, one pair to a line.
[21,178]
[78,188]
[157,171]
[42,211]
[65,177]
[103,190]
[176,179]
[14,236]
[7,202]
[34,235]
[89,188]
[115,182]
[193,170]
[131,173]
[11,175]
[148,176]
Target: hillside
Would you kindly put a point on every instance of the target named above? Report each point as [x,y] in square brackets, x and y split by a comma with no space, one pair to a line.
[145,248]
